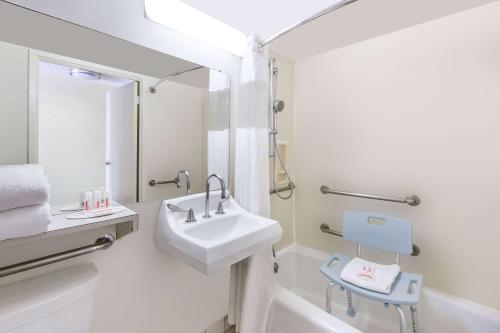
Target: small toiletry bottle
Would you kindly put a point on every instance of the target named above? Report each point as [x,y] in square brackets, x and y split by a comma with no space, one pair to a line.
[103,197]
[108,198]
[88,201]
[97,199]
[82,198]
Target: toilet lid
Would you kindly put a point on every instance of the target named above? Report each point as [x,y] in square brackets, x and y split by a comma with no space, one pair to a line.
[31,299]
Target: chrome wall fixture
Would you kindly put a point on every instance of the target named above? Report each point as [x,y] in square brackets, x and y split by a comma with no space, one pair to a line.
[411,199]
[102,243]
[326,229]
[283,189]
[176,181]
[154,88]
[276,106]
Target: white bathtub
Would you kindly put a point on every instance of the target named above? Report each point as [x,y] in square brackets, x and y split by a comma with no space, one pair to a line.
[298,308]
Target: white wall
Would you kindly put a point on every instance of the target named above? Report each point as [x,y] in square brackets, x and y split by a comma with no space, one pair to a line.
[415,111]
[71,134]
[13,104]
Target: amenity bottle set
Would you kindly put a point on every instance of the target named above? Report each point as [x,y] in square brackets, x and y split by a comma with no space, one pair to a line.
[95,200]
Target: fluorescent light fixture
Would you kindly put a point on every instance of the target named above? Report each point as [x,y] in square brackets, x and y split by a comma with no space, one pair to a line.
[84,74]
[190,21]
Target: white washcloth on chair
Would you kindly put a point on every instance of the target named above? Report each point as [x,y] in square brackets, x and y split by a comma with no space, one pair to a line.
[370,275]
[22,186]
[26,221]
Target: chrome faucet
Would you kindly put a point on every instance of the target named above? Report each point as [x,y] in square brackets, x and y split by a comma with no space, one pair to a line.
[188,181]
[207,196]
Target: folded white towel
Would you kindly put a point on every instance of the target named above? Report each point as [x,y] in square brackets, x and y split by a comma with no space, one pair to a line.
[370,275]
[26,221]
[22,186]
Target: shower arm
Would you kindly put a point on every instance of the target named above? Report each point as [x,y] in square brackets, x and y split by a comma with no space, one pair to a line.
[321,13]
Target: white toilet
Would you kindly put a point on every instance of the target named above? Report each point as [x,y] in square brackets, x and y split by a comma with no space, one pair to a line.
[59,302]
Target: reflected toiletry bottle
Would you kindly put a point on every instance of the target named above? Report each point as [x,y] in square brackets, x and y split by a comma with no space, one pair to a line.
[88,201]
[97,199]
[103,197]
[82,199]
[108,198]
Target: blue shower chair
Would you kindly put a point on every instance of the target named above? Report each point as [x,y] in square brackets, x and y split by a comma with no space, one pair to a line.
[386,233]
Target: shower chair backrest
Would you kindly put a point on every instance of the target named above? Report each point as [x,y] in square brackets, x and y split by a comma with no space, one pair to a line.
[380,231]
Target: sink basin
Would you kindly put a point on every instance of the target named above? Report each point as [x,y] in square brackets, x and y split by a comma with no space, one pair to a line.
[213,243]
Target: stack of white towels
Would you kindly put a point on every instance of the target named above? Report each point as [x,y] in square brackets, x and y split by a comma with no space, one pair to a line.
[24,195]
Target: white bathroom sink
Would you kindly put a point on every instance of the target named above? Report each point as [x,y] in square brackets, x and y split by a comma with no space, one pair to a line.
[213,243]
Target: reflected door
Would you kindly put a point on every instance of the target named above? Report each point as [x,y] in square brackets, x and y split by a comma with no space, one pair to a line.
[122,143]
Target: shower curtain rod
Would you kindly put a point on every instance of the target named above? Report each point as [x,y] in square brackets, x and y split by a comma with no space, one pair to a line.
[325,11]
[152,89]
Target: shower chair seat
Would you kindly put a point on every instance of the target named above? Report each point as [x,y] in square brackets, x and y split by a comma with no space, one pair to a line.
[386,233]
[405,290]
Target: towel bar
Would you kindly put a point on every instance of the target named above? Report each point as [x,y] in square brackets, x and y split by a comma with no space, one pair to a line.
[411,199]
[102,243]
[326,229]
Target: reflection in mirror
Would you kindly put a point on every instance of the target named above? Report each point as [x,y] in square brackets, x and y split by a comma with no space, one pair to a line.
[86,132]
[93,126]
[192,126]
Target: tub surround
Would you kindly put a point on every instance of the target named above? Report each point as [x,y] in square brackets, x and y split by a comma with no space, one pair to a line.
[414,111]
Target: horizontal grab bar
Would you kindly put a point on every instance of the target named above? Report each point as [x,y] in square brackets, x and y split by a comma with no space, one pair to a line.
[326,229]
[411,199]
[102,243]
[175,181]
[282,189]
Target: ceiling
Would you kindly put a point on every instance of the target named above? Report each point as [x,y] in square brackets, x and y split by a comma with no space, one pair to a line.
[359,21]
[261,17]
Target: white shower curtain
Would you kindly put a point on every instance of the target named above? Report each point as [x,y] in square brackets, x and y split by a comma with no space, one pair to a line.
[219,99]
[252,280]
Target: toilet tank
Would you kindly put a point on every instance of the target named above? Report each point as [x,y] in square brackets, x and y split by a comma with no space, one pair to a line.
[59,302]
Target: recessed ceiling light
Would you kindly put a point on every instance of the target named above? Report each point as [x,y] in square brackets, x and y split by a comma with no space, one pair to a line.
[84,74]
[190,21]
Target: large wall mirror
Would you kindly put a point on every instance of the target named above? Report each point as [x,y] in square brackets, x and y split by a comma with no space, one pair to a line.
[148,128]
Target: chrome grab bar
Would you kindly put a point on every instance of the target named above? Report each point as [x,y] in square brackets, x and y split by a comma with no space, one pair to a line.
[283,189]
[175,181]
[326,229]
[411,199]
[102,243]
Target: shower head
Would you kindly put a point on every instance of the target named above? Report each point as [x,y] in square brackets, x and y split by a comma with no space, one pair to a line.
[278,106]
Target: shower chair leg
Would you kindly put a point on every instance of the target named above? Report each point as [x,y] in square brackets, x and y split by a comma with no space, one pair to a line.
[350,310]
[414,318]
[328,307]
[402,319]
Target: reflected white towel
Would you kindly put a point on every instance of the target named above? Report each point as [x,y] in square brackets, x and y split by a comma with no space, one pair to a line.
[22,186]
[26,221]
[370,275]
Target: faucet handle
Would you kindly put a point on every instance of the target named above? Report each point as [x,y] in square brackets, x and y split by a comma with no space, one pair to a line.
[190,216]
[220,206]
[190,213]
